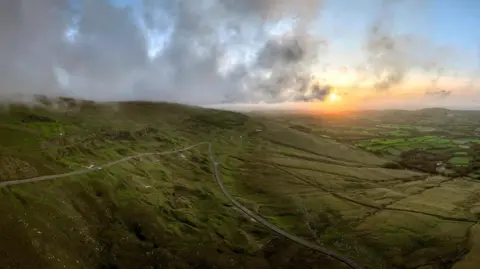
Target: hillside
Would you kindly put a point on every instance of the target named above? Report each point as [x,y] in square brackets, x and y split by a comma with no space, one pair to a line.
[166,211]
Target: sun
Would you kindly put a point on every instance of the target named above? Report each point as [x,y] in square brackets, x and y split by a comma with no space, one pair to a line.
[333,97]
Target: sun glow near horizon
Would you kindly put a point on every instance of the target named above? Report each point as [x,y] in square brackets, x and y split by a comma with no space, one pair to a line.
[333,103]
[334,98]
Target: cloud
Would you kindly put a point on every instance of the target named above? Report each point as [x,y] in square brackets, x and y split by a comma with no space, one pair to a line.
[314,93]
[391,55]
[197,52]
[206,51]
[27,44]
[438,93]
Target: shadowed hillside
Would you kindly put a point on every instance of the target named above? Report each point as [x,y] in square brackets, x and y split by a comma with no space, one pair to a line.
[166,211]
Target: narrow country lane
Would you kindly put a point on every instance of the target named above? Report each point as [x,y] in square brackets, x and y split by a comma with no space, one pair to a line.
[352,264]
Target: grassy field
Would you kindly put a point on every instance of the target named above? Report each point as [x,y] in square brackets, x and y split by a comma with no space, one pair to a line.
[167,211]
[430,140]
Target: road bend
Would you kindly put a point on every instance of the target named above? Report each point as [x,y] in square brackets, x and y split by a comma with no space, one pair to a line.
[216,171]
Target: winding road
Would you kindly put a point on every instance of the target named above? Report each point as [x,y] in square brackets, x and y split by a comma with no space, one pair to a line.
[352,264]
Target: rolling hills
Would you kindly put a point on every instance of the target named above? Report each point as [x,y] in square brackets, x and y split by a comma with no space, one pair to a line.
[167,211]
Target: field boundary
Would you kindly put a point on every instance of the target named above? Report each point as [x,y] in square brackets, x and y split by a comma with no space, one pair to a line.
[378,208]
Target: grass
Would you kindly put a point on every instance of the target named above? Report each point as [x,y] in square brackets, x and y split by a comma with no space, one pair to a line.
[167,211]
[414,142]
[425,134]
[400,133]
[460,160]
[472,259]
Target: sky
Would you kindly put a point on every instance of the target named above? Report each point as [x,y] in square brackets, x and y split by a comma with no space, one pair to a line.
[370,53]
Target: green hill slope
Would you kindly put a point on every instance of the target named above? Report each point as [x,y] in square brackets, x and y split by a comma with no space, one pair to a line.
[167,211]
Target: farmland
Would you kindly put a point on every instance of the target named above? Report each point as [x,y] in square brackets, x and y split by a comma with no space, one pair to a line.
[430,140]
